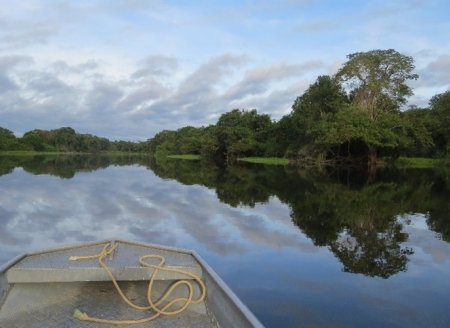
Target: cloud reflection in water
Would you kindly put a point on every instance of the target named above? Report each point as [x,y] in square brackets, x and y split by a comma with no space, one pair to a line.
[132,203]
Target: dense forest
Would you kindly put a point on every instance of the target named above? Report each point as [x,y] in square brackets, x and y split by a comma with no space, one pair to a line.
[355,116]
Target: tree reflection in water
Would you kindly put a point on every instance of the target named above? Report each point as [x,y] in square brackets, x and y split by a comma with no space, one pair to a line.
[360,220]
[66,166]
[360,226]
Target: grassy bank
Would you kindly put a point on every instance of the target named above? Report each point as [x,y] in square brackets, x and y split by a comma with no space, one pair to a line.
[420,162]
[265,160]
[189,157]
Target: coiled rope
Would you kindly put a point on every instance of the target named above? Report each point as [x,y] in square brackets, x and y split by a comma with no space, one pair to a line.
[155,306]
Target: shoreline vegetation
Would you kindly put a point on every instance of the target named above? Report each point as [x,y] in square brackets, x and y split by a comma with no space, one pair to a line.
[356,117]
[421,162]
[401,162]
[265,160]
[188,157]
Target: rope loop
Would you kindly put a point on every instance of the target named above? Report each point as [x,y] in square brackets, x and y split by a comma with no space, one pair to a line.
[168,309]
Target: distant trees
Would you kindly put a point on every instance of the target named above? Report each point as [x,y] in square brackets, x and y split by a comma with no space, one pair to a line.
[237,133]
[8,140]
[34,140]
[64,139]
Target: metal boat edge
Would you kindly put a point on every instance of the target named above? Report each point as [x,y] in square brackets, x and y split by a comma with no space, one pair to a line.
[227,309]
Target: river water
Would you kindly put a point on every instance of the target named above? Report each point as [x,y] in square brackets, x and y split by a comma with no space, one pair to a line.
[336,248]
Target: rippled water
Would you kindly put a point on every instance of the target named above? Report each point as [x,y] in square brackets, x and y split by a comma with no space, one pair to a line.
[335,248]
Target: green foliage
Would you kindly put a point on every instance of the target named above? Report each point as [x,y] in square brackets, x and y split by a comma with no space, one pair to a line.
[351,125]
[328,126]
[8,140]
[209,144]
[186,140]
[419,124]
[325,126]
[323,98]
[376,80]
[65,140]
[440,103]
[417,162]
[440,122]
[34,140]
[237,133]
[265,160]
[242,133]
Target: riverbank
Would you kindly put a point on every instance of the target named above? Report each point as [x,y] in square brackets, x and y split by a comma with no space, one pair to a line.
[33,153]
[189,157]
[58,153]
[265,160]
[401,162]
[421,162]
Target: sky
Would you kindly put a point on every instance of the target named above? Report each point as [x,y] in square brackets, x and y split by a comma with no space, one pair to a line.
[127,69]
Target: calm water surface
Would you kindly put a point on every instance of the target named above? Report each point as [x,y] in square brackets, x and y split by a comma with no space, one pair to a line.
[301,249]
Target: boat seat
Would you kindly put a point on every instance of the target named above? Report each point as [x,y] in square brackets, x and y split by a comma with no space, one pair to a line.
[55,266]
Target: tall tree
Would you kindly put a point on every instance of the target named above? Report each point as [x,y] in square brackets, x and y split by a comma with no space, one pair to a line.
[376,83]
[376,80]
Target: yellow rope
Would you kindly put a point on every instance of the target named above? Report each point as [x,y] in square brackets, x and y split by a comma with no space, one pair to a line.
[154,306]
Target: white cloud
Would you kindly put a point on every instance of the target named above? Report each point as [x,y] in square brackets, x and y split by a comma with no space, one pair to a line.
[156,66]
[437,71]
[258,81]
[133,68]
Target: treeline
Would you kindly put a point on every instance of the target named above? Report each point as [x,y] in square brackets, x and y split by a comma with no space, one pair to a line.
[237,133]
[353,116]
[64,140]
